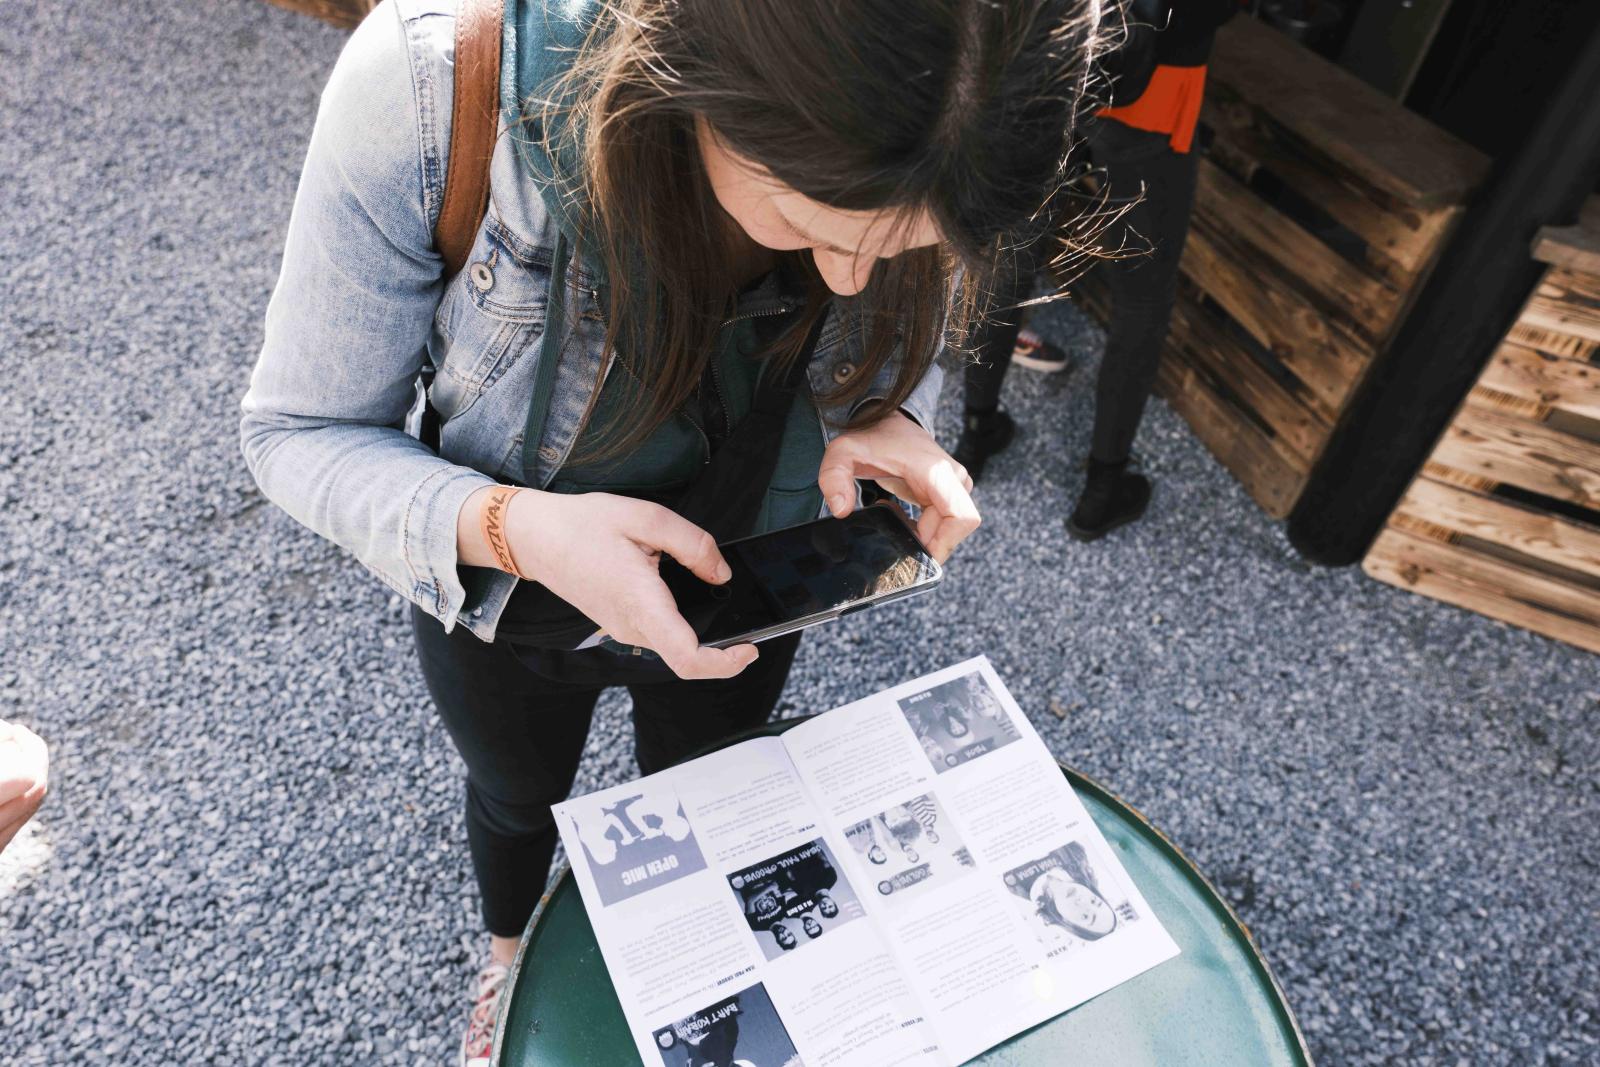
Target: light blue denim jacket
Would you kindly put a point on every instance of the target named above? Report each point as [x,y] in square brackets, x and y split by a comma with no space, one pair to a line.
[361,304]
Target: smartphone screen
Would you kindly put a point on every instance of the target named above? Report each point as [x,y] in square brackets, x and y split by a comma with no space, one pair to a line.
[786,576]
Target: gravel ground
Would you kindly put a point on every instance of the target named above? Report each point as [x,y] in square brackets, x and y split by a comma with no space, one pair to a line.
[253,851]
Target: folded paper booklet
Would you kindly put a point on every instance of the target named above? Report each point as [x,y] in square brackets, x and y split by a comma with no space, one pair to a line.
[908,879]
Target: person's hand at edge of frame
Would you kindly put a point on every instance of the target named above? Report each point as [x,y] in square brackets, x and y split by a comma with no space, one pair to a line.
[24,778]
[904,459]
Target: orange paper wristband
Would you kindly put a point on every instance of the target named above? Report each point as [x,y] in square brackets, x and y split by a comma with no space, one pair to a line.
[494,528]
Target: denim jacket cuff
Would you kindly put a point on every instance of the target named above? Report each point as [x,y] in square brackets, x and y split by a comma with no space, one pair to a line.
[428,540]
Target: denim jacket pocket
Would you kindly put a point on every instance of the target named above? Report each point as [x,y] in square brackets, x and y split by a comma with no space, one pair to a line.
[491,316]
[839,355]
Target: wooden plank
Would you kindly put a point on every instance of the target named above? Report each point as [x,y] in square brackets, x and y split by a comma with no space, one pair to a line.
[1551,343]
[1402,239]
[1511,403]
[1547,381]
[1518,452]
[1341,117]
[1575,247]
[1541,534]
[1325,357]
[1566,301]
[1410,524]
[1450,476]
[343,13]
[1272,477]
[1300,428]
[1237,232]
[1488,586]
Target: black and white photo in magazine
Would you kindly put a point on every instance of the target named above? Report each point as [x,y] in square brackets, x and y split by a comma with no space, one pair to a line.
[794,898]
[958,721]
[637,842]
[738,1031]
[1067,902]
[908,847]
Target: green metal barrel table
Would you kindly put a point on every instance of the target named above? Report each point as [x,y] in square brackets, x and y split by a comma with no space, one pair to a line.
[1217,1004]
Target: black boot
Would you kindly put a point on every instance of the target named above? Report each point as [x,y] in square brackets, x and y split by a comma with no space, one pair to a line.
[1113,496]
[983,433]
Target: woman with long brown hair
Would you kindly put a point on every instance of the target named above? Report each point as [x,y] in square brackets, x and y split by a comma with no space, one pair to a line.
[721,255]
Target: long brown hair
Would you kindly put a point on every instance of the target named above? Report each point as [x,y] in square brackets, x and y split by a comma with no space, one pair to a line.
[963,108]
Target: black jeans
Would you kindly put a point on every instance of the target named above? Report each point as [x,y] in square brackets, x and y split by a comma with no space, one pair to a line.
[520,717]
[1143,286]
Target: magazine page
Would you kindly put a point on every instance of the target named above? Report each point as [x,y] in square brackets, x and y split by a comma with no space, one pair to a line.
[997,894]
[730,925]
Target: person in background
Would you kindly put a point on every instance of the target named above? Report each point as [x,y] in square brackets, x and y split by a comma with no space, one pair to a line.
[1142,148]
[24,778]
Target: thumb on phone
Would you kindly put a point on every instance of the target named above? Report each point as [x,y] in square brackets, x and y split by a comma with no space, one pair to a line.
[669,532]
[837,480]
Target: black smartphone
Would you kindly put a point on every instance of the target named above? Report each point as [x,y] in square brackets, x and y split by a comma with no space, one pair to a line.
[789,579]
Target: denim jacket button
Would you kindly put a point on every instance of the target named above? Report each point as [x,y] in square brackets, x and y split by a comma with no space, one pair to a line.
[482,277]
[844,372]
[548,454]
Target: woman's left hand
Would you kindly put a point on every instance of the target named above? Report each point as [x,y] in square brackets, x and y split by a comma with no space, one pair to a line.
[903,458]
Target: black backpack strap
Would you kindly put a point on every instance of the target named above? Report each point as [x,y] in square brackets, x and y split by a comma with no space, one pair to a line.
[727,496]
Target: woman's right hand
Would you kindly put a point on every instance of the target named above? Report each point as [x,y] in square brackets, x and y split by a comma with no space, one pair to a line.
[602,553]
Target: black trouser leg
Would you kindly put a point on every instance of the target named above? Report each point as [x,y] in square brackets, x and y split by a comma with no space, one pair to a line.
[521,737]
[994,338]
[520,720]
[673,719]
[1143,287]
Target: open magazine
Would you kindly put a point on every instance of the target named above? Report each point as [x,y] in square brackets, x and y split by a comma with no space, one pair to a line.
[904,880]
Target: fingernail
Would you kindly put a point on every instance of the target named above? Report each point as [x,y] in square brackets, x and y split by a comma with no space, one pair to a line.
[836,505]
[724,572]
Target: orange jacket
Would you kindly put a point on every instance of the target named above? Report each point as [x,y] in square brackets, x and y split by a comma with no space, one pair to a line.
[1170,104]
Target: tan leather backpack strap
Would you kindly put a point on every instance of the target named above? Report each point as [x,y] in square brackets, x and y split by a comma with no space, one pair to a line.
[473,124]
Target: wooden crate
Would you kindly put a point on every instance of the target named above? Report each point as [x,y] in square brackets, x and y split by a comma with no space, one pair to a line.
[344,13]
[1321,207]
[1504,519]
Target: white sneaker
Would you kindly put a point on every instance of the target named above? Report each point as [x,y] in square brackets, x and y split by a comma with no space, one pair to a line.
[478,1042]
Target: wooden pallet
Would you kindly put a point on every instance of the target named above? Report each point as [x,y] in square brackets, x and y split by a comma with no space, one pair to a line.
[1505,517]
[343,13]
[1321,207]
